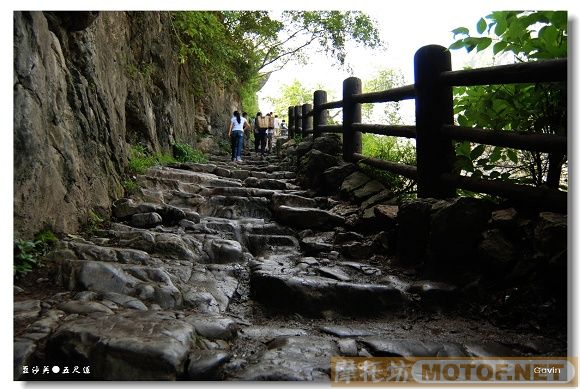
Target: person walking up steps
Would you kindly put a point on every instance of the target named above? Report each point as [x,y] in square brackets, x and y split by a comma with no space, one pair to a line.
[270,132]
[236,133]
[283,128]
[276,127]
[247,133]
[257,131]
[261,125]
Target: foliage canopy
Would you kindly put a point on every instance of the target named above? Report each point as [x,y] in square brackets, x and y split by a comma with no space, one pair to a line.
[540,108]
[242,48]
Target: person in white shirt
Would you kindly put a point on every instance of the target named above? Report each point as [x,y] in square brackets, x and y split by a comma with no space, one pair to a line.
[270,132]
[236,134]
[276,126]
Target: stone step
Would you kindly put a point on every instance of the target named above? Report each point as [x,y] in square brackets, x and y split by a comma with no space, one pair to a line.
[302,217]
[237,171]
[260,244]
[230,206]
[313,285]
[141,346]
[267,183]
[242,191]
[209,272]
[191,177]
[315,294]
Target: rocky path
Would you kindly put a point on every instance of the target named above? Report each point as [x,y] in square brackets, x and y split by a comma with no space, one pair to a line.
[232,272]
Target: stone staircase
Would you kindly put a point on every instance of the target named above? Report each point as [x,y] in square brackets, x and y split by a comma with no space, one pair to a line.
[231,271]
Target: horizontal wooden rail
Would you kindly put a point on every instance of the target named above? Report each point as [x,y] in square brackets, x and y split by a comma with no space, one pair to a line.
[329,105]
[531,72]
[546,198]
[331,128]
[545,143]
[396,94]
[397,168]
[380,129]
[434,130]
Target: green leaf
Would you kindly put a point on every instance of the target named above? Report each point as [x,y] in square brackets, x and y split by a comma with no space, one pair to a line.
[499,46]
[500,27]
[464,163]
[460,31]
[560,20]
[477,151]
[462,120]
[549,34]
[483,43]
[481,25]
[512,155]
[495,155]
[463,149]
[457,45]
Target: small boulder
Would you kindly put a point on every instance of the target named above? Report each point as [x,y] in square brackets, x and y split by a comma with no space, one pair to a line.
[503,218]
[145,220]
[382,197]
[387,214]
[313,164]
[333,177]
[551,233]
[205,364]
[328,144]
[84,307]
[496,253]
[224,251]
[355,181]
[370,189]
[308,217]
[456,228]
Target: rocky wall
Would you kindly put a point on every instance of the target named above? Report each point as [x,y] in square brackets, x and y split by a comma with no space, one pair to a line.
[87,85]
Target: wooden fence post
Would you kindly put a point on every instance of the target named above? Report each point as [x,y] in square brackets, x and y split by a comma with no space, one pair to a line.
[351,113]
[433,109]
[290,122]
[306,120]
[320,117]
[297,120]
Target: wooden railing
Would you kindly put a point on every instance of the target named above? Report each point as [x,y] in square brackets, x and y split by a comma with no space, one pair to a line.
[434,129]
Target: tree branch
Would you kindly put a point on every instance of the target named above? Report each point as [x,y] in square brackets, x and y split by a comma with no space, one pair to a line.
[293,51]
[266,61]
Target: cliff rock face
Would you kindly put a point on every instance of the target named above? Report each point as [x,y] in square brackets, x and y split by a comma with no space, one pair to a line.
[86,86]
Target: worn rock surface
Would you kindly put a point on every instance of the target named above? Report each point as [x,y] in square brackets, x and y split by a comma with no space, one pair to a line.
[246,276]
[86,85]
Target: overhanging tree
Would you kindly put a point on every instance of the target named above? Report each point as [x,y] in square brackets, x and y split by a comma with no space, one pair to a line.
[247,46]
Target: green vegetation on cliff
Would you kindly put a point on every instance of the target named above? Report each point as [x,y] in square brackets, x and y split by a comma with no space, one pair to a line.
[242,48]
[142,159]
[28,253]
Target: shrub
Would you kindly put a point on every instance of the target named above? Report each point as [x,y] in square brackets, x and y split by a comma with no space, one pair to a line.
[393,150]
[94,220]
[183,152]
[130,187]
[141,159]
[27,253]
